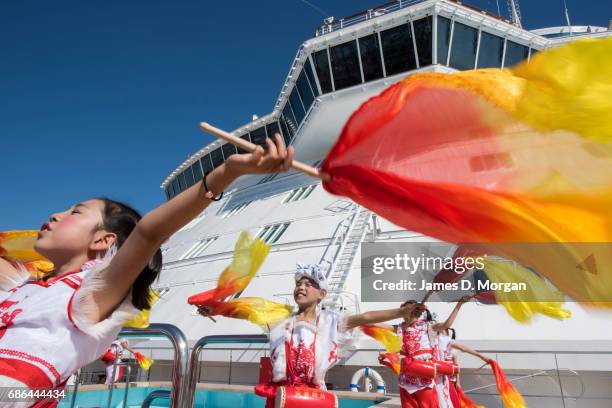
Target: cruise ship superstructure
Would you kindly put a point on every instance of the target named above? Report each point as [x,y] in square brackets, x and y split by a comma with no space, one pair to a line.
[345,63]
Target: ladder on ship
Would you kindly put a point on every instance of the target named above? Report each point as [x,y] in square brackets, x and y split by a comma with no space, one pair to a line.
[342,249]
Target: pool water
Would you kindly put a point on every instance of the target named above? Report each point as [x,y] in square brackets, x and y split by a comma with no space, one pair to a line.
[203,399]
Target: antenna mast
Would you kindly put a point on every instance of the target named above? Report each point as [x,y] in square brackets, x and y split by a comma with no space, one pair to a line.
[515,12]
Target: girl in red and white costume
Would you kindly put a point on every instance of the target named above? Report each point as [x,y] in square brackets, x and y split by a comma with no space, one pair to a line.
[106,257]
[307,344]
[114,352]
[450,354]
[420,345]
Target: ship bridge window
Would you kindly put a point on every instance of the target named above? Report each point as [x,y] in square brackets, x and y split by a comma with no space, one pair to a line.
[305,92]
[272,129]
[197,171]
[287,133]
[298,194]
[182,183]
[515,53]
[236,209]
[443,38]
[272,233]
[296,105]
[206,164]
[175,186]
[345,65]
[370,57]
[228,149]
[198,248]
[423,39]
[290,119]
[398,49]
[244,137]
[216,156]
[463,51]
[258,136]
[491,161]
[491,51]
[311,78]
[321,63]
[189,177]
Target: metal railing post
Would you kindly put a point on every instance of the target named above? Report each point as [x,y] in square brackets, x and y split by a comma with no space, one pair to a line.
[76,388]
[194,361]
[181,356]
[115,348]
[127,384]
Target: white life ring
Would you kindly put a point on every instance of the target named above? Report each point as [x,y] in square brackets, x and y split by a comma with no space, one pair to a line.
[368,373]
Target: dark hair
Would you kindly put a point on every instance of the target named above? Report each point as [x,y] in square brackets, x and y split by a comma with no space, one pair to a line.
[453,336]
[120,219]
[414,302]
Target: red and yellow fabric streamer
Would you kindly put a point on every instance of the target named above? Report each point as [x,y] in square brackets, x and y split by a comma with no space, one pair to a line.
[249,254]
[508,394]
[143,361]
[386,336]
[17,247]
[522,155]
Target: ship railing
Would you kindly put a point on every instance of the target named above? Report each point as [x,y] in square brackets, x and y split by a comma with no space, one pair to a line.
[194,362]
[180,361]
[332,24]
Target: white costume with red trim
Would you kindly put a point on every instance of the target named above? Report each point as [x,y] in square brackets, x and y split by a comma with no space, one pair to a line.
[45,335]
[316,347]
[417,344]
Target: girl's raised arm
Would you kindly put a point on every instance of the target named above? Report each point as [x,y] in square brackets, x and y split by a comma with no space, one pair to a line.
[451,318]
[156,226]
[379,316]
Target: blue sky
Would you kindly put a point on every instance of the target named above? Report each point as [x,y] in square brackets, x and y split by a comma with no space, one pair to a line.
[105,97]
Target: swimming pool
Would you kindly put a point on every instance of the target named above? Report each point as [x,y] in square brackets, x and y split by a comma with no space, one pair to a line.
[203,399]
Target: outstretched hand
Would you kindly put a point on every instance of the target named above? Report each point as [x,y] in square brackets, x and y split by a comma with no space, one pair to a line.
[276,158]
[412,310]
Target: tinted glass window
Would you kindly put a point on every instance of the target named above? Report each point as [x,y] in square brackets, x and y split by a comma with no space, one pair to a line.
[189,177]
[444,25]
[217,157]
[228,150]
[463,52]
[423,39]
[491,51]
[515,53]
[291,123]
[287,133]
[370,57]
[345,65]
[244,137]
[197,171]
[398,50]
[311,78]
[305,92]
[322,67]
[296,105]
[176,187]
[206,164]
[272,129]
[258,136]
[182,182]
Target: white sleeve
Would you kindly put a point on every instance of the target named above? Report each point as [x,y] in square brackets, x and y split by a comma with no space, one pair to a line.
[81,307]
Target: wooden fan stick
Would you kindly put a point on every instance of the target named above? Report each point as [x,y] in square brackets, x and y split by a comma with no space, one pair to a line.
[250,147]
